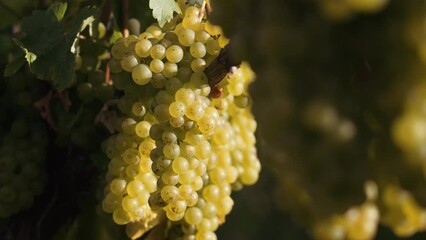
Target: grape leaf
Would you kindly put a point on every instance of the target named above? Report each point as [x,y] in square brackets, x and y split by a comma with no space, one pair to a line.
[49,42]
[59,10]
[14,66]
[163,10]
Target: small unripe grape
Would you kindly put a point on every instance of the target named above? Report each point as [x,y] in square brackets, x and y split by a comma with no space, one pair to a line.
[170,69]
[177,109]
[180,165]
[138,109]
[156,66]
[195,111]
[170,178]
[154,30]
[129,62]
[158,80]
[174,216]
[118,186]
[129,204]
[169,193]
[211,193]
[135,188]
[131,156]
[198,50]
[193,215]
[171,150]
[158,52]
[249,176]
[161,112]
[212,47]
[185,95]
[192,10]
[120,216]
[111,202]
[174,54]
[177,122]
[198,65]
[141,74]
[187,177]
[198,182]
[142,129]
[177,207]
[143,48]
[225,205]
[173,85]
[186,37]
[209,210]
[202,36]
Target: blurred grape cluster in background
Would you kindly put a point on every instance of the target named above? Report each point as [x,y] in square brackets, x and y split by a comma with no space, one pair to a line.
[340,104]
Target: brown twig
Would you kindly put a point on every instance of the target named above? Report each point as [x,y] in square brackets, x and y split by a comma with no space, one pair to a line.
[43,105]
[106,12]
[125,17]
[108,75]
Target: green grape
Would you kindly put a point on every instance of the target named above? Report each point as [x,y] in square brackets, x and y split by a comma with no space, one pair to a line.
[156,66]
[170,69]
[198,50]
[158,52]
[141,74]
[174,54]
[198,65]
[129,62]
[143,48]
[135,188]
[142,129]
[186,37]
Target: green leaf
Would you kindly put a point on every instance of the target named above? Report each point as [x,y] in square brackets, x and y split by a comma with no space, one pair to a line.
[59,10]
[163,10]
[49,43]
[42,31]
[14,66]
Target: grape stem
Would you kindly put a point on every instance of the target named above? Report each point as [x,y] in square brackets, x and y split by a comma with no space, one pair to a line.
[205,9]
[106,117]
[125,18]
[43,105]
[106,13]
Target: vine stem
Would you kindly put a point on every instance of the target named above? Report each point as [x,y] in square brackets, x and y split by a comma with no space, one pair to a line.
[125,17]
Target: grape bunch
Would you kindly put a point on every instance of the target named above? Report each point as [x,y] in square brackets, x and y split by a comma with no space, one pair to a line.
[178,152]
[23,144]
[358,222]
[21,173]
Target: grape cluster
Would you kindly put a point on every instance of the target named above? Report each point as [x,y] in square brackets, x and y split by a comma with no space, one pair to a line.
[358,222]
[21,172]
[22,147]
[178,151]
[402,212]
